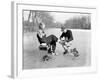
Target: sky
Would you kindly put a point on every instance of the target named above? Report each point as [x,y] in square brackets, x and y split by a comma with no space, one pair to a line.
[59,17]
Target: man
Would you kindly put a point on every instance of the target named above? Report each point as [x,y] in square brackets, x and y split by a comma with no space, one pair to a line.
[66,39]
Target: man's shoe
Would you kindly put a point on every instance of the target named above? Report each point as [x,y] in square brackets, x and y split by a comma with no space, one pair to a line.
[66,52]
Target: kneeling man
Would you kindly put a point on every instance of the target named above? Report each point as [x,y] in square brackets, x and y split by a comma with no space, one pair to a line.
[66,39]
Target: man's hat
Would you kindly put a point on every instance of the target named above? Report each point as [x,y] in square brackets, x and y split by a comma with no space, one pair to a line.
[63,27]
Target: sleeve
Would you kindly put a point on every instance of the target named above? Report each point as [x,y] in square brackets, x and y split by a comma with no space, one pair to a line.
[71,36]
[61,36]
[39,33]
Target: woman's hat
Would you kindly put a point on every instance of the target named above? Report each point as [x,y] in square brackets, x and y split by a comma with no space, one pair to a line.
[41,25]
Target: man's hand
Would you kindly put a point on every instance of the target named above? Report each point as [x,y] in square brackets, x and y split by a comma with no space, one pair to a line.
[62,39]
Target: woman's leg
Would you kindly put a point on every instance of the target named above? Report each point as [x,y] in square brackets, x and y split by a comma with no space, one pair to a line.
[53,47]
[53,43]
[51,40]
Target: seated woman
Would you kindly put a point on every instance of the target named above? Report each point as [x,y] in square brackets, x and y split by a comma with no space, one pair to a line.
[49,40]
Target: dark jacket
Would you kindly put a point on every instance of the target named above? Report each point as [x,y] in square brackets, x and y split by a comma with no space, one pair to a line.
[67,34]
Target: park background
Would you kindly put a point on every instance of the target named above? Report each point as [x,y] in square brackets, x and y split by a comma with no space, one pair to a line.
[80,25]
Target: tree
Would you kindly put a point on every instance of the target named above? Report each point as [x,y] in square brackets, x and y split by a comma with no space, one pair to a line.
[46,19]
[36,17]
[78,23]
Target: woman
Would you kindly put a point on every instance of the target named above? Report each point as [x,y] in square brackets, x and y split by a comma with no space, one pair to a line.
[49,40]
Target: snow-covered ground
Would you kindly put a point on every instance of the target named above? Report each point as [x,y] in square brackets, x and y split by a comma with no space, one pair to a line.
[33,56]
